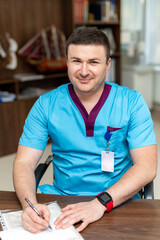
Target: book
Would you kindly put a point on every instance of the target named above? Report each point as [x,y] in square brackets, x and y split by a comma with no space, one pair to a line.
[80,11]
[77,10]
[12,227]
[95,9]
[107,11]
[109,34]
[86,10]
[103,10]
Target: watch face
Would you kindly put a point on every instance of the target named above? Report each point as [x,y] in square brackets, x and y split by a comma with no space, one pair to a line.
[104,196]
[106,200]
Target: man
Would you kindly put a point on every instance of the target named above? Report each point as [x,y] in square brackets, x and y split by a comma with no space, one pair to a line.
[102,139]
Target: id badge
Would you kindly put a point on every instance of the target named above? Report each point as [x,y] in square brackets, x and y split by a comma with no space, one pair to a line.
[107,161]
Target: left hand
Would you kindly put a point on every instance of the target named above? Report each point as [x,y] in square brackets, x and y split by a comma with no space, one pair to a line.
[87,212]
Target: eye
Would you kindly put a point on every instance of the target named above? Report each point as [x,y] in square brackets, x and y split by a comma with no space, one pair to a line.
[93,62]
[76,61]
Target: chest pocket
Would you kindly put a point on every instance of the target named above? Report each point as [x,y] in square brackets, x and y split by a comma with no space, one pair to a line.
[118,141]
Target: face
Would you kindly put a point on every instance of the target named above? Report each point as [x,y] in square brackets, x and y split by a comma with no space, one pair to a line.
[87,68]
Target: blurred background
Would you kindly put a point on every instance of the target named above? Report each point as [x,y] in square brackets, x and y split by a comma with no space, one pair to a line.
[140,48]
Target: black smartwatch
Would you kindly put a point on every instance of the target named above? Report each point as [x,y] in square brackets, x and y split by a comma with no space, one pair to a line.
[106,200]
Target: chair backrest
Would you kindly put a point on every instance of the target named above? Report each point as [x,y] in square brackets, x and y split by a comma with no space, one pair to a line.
[41,169]
[147,192]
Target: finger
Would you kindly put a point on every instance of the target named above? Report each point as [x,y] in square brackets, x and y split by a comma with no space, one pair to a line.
[82,226]
[62,216]
[44,211]
[38,227]
[31,219]
[69,220]
[39,221]
[30,226]
[33,229]
[36,219]
[68,207]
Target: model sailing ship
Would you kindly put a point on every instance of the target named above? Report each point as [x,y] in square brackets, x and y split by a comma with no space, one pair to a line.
[46,50]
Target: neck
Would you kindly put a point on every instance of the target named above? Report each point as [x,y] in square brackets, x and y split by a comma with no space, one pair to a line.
[89,100]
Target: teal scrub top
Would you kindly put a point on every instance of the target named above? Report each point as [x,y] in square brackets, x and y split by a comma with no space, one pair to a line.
[78,137]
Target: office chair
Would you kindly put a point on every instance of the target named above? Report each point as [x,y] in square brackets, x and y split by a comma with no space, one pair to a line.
[41,169]
[147,192]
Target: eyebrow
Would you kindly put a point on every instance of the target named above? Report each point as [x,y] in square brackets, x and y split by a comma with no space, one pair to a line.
[91,59]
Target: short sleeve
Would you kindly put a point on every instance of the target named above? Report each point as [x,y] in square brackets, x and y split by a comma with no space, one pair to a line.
[35,132]
[140,128]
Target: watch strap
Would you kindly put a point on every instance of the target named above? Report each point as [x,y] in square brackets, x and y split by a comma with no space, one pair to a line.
[108,204]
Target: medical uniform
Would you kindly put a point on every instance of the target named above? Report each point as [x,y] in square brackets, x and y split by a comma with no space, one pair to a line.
[78,137]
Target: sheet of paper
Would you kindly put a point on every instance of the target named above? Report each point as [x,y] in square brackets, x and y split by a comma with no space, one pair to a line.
[16,230]
[20,233]
[12,218]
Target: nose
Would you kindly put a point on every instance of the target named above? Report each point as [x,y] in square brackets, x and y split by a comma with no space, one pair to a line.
[84,69]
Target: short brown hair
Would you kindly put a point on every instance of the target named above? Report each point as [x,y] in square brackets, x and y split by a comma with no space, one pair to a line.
[89,36]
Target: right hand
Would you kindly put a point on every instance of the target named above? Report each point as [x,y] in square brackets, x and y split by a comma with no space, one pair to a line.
[32,222]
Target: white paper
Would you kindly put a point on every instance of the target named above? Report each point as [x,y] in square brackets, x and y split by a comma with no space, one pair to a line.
[16,230]
[20,233]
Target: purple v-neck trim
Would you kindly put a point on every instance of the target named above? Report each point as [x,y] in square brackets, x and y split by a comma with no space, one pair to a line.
[89,119]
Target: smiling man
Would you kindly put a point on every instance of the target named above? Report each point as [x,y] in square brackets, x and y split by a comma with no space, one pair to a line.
[87,68]
[102,139]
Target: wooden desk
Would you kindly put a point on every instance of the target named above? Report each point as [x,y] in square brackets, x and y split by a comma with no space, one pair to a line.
[136,219]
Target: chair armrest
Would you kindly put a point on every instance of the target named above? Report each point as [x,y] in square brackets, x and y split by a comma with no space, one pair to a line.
[41,169]
[149,191]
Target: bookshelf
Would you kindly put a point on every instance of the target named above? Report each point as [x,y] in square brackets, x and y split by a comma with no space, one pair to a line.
[104,14]
[22,21]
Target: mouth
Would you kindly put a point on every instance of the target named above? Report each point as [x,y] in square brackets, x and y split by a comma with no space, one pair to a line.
[84,80]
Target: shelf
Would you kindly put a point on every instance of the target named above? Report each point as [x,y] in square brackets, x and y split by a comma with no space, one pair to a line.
[49,76]
[93,23]
[116,55]
[56,75]
[8,81]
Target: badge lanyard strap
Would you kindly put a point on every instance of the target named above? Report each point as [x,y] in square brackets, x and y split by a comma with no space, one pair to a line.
[107,136]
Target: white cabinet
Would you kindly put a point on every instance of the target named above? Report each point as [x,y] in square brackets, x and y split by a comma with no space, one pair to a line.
[156,97]
[140,78]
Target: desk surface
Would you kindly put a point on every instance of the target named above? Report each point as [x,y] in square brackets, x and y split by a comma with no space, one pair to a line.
[136,219]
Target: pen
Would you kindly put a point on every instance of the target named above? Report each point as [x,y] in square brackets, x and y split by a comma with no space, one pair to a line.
[38,213]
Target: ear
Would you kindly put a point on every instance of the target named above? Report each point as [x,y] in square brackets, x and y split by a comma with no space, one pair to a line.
[67,61]
[108,64]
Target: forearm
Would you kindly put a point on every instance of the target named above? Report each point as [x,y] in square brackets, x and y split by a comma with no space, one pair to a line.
[23,174]
[24,183]
[142,172]
[127,186]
